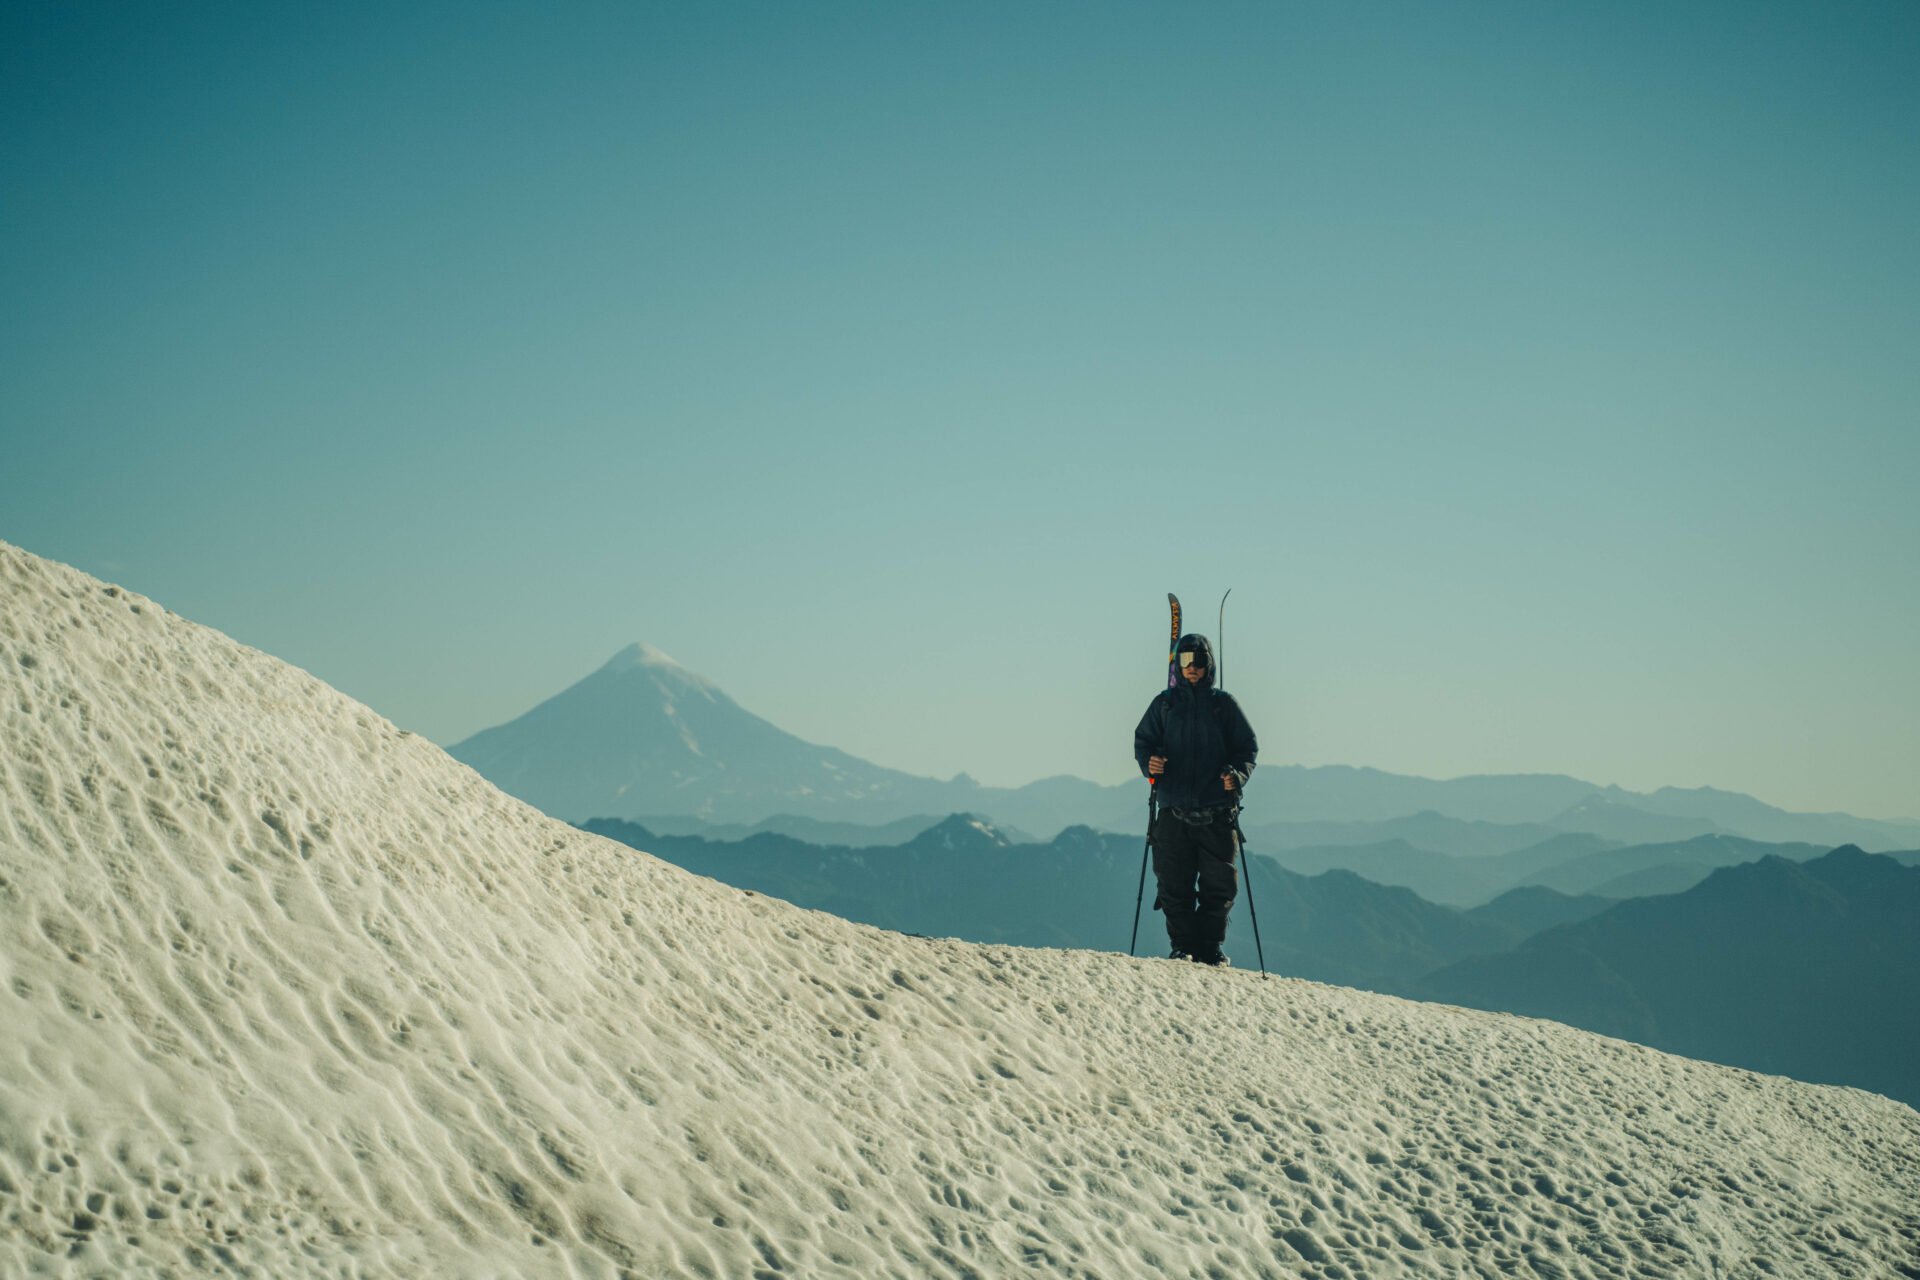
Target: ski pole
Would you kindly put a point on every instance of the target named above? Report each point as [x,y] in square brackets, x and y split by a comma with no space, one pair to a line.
[1246,874]
[1246,871]
[1153,811]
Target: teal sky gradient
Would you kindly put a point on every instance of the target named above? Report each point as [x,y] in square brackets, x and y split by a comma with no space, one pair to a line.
[1544,380]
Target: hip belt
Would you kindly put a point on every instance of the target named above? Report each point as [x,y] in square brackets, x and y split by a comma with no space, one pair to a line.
[1206,817]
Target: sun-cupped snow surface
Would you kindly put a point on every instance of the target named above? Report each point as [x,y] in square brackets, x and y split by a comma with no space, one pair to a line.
[288,991]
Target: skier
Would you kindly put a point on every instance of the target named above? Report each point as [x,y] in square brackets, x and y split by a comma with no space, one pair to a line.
[1196,744]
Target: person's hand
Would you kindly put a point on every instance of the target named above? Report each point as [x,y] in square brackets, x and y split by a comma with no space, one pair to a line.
[1226,780]
[1156,765]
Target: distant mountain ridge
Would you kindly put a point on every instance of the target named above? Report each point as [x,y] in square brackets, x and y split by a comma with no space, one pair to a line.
[1573,863]
[852,835]
[644,736]
[1809,969]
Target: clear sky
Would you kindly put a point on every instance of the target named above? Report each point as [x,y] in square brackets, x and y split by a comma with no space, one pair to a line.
[1543,379]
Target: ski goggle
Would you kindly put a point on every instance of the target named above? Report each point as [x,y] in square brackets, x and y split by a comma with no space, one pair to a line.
[1193,658]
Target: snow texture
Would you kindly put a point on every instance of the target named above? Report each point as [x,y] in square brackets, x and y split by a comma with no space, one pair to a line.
[286,991]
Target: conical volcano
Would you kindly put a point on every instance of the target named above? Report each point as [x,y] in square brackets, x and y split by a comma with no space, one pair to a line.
[644,735]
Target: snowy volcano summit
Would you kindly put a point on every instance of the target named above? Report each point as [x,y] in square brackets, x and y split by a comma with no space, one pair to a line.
[285,991]
[644,735]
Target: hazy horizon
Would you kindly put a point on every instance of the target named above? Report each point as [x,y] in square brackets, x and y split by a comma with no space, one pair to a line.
[1540,380]
[693,671]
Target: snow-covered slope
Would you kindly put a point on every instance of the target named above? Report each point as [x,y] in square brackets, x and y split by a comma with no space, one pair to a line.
[285,991]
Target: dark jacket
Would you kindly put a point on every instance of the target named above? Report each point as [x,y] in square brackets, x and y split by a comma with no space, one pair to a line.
[1203,733]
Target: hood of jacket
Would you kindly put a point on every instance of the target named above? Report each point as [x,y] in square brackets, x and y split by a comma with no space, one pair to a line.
[1199,644]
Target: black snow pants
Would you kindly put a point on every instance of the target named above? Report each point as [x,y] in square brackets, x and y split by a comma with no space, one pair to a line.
[1194,867]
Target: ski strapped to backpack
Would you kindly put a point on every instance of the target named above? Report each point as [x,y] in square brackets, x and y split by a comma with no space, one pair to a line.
[1173,643]
[1220,646]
